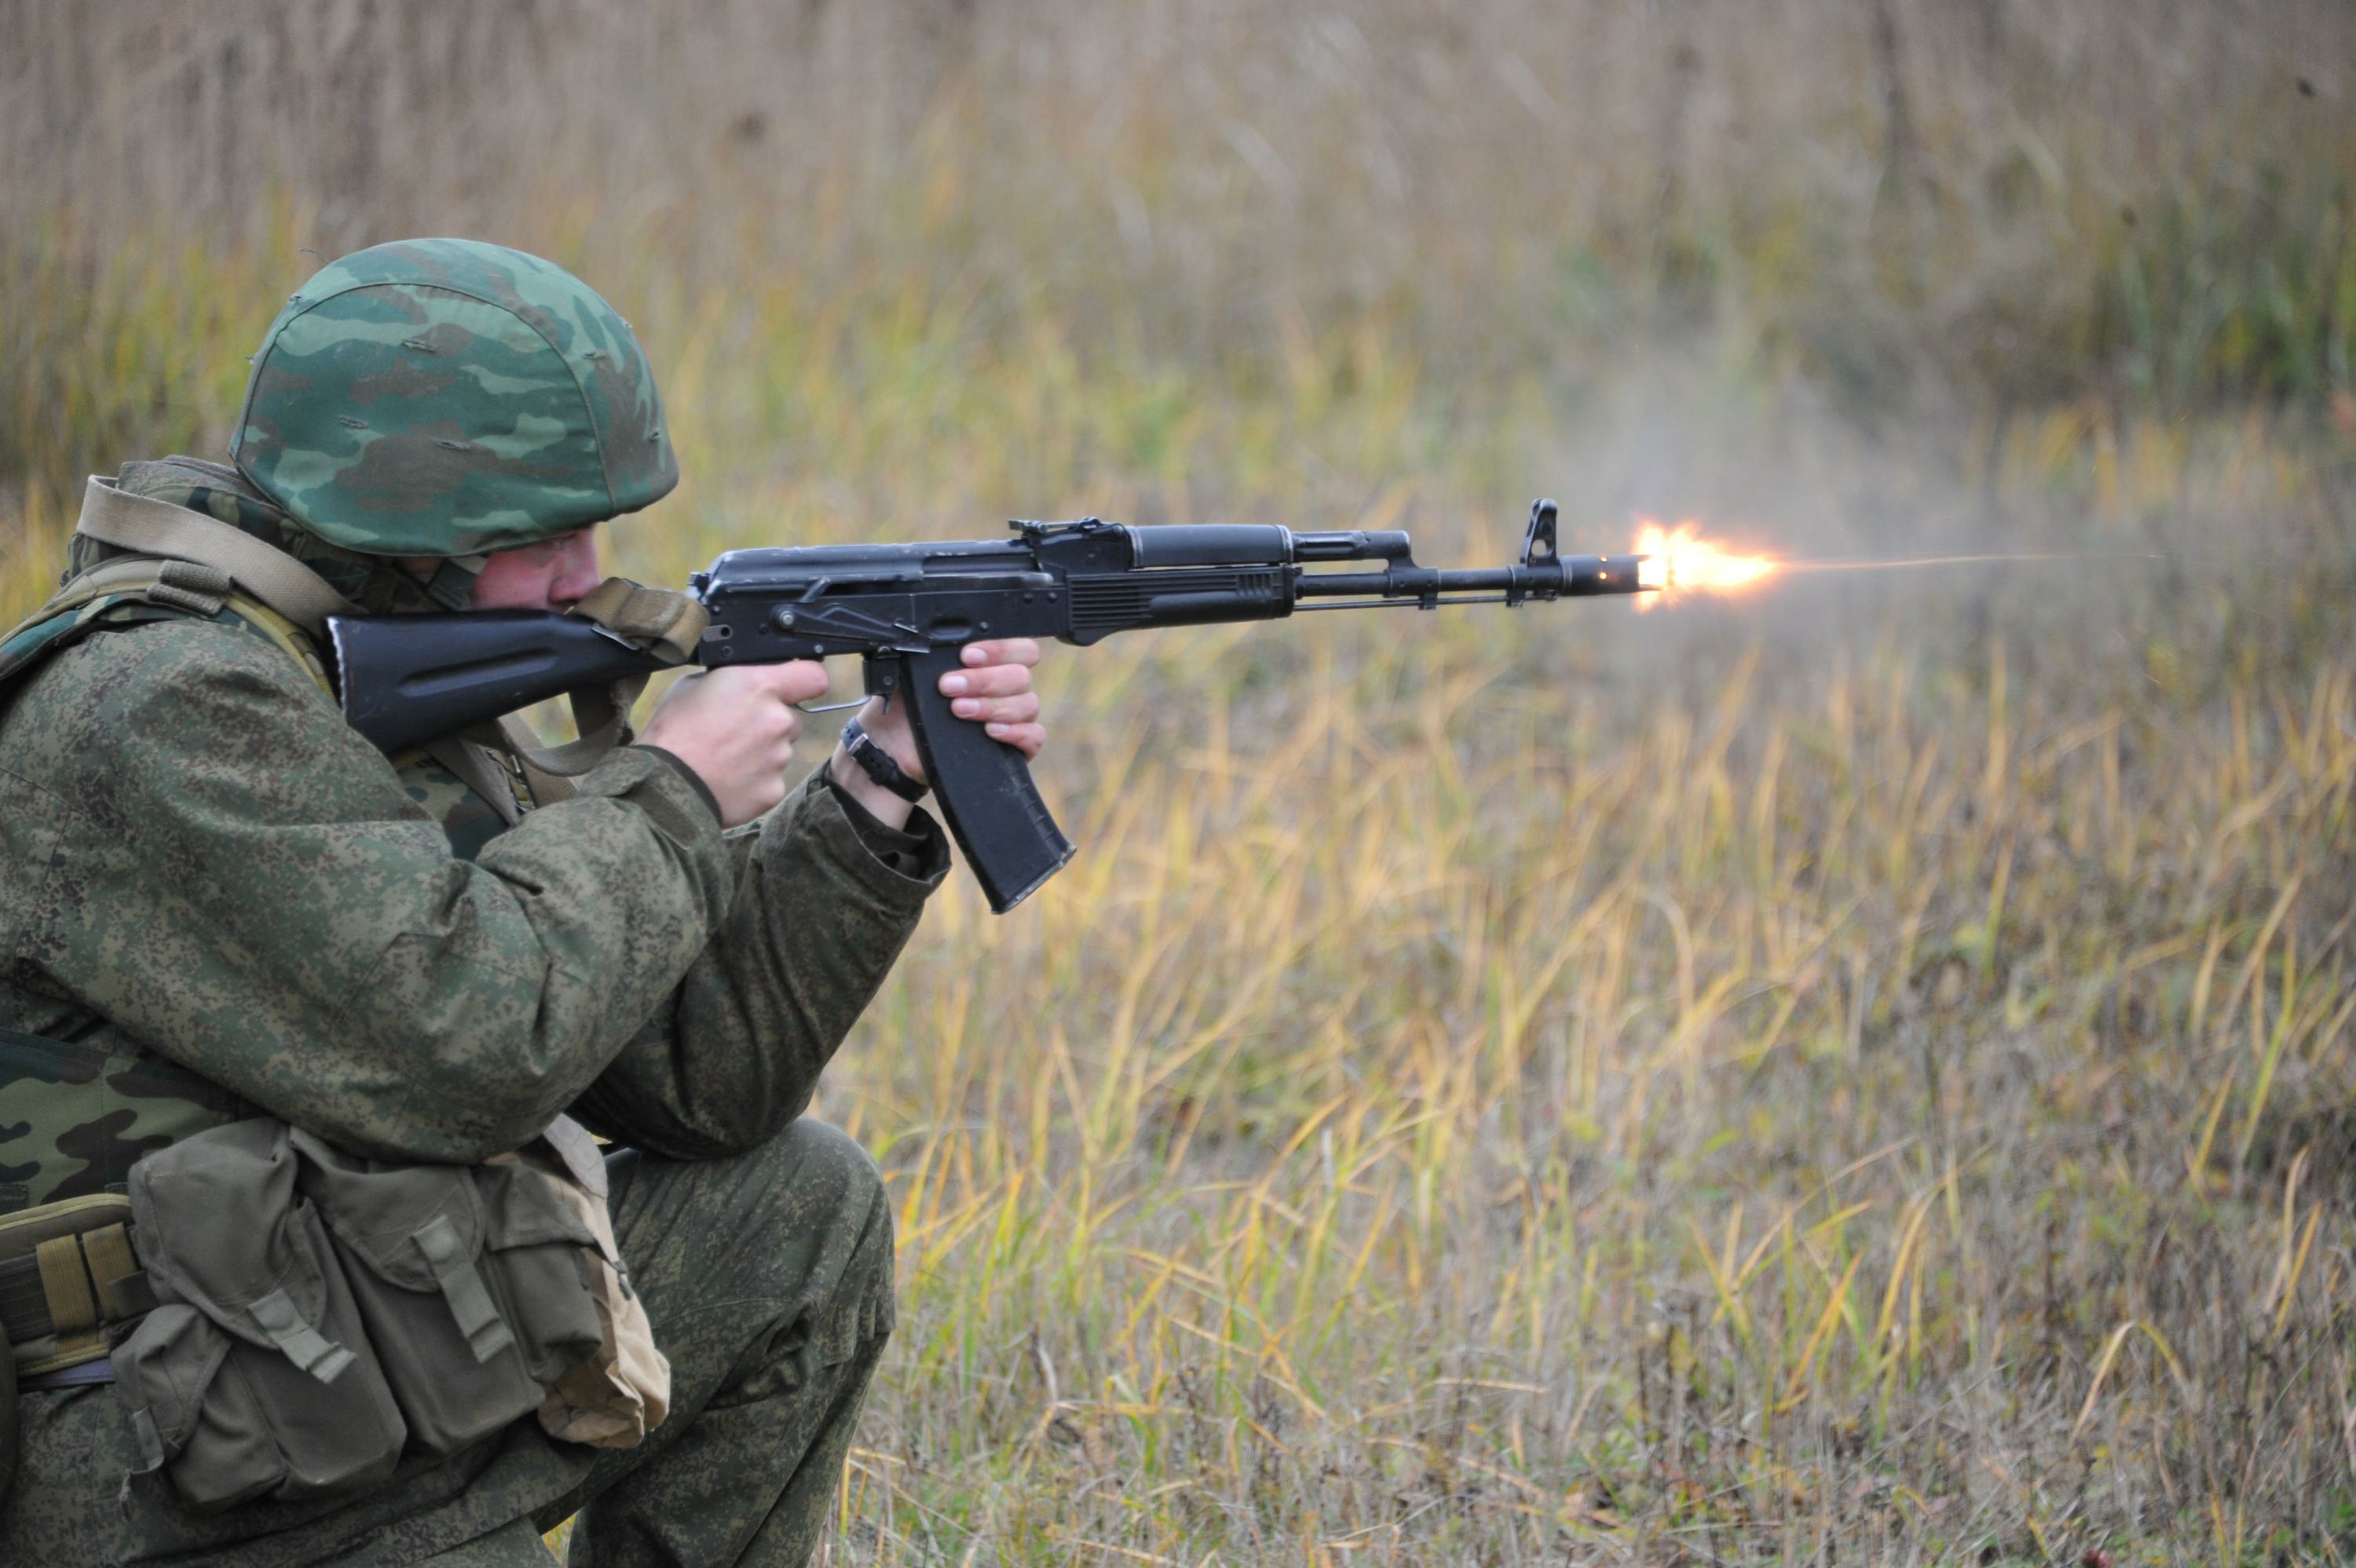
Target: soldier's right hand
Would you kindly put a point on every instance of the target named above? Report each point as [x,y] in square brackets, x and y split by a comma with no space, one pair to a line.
[736,728]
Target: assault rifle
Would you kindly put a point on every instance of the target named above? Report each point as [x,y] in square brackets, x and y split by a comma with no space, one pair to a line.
[908,609]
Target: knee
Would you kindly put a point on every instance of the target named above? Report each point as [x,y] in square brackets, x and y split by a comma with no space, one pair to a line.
[828,1176]
[825,1237]
[827,1186]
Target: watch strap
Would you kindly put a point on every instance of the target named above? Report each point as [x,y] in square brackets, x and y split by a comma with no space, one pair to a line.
[879,764]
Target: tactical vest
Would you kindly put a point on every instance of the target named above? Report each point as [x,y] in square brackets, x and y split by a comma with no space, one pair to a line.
[78,1113]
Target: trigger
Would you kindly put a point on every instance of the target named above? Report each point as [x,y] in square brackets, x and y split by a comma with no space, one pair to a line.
[880,676]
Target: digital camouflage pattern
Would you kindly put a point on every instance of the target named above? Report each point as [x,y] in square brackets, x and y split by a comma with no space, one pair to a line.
[216,900]
[448,397]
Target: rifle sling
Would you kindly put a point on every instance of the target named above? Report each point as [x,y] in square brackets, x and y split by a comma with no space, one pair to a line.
[141,523]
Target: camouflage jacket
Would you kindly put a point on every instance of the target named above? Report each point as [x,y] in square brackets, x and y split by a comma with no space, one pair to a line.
[215,897]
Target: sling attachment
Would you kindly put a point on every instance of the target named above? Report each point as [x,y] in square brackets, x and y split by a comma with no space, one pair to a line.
[659,620]
[656,621]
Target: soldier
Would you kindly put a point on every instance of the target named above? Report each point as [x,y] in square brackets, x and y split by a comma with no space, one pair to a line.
[218,902]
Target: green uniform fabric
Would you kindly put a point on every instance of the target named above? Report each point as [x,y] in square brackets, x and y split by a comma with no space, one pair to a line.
[448,397]
[215,900]
[201,853]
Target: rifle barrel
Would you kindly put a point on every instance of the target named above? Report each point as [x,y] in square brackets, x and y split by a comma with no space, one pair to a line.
[1570,576]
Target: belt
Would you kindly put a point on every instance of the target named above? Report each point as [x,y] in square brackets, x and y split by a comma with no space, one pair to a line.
[75,1277]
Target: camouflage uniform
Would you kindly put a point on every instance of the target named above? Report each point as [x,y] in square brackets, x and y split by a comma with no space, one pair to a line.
[215,900]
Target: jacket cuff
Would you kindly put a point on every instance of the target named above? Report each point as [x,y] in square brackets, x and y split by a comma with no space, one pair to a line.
[898,863]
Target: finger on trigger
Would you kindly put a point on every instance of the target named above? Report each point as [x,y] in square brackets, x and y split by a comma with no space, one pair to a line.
[799,680]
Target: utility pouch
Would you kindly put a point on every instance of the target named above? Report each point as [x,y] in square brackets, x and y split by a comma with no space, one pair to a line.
[472,1280]
[622,1391]
[317,1314]
[67,1277]
[253,1375]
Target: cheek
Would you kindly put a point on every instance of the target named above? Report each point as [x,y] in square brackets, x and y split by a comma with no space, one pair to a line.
[511,581]
[576,572]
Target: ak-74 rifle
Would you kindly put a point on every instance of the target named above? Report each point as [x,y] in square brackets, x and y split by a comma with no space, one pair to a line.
[906,609]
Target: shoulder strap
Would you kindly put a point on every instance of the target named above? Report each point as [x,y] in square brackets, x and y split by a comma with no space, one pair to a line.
[141,523]
[289,638]
[477,766]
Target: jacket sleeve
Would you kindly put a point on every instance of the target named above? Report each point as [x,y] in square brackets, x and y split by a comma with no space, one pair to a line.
[824,904]
[239,880]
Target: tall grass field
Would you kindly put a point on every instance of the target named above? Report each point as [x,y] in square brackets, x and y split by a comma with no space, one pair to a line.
[1859,1071]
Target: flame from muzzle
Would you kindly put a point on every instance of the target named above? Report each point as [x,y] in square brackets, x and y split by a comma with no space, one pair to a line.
[1679,560]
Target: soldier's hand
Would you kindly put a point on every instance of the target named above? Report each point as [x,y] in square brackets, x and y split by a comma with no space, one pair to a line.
[993,690]
[735,727]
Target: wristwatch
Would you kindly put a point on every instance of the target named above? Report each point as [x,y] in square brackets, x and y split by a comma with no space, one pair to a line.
[878,763]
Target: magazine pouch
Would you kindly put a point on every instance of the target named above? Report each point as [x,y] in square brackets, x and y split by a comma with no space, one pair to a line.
[252,1376]
[472,1282]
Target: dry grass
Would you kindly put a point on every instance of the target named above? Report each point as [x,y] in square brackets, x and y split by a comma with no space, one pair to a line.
[1855,1074]
[1892,197]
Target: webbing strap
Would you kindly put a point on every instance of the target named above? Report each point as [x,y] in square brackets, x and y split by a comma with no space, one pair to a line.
[602,716]
[297,1339]
[524,743]
[192,580]
[471,1307]
[74,1307]
[112,1261]
[151,1453]
[663,621]
[474,767]
[142,523]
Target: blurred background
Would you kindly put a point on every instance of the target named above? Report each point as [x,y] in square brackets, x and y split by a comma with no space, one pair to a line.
[1860,1067]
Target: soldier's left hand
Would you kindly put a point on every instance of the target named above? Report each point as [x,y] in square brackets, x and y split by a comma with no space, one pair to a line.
[994,689]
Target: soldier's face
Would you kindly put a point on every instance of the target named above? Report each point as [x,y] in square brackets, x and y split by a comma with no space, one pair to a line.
[554,574]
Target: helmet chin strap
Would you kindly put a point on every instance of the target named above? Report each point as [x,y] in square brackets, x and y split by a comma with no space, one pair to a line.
[451,585]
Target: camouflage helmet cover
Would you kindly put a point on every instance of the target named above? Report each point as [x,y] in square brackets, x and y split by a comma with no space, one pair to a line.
[449,398]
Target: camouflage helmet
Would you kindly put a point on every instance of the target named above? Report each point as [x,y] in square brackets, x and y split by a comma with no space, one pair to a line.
[450,398]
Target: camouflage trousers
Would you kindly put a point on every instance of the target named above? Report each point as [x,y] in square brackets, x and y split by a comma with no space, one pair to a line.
[769,1280]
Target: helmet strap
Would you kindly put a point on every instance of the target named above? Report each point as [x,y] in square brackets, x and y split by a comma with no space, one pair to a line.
[452,586]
